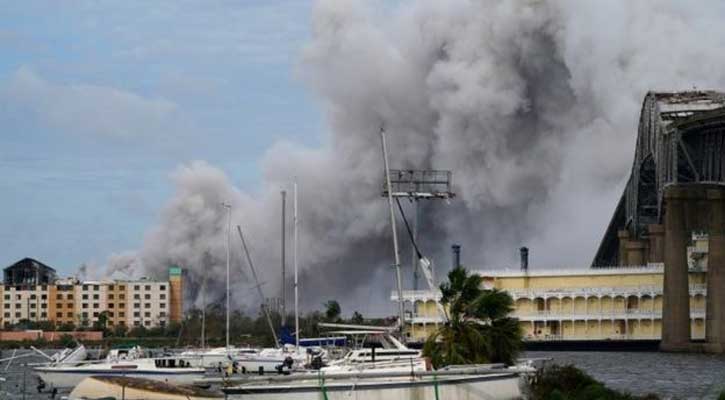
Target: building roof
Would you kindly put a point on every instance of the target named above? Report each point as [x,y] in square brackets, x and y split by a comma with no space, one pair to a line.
[27,261]
[654,268]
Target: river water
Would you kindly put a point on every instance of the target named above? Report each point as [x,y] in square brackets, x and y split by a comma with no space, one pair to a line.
[669,375]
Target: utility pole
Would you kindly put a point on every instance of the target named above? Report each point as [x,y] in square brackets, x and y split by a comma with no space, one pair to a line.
[294,257]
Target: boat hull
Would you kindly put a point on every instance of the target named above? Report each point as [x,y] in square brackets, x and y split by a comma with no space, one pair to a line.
[492,386]
[66,378]
[136,389]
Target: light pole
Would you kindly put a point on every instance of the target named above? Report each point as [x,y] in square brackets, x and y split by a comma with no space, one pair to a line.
[229,230]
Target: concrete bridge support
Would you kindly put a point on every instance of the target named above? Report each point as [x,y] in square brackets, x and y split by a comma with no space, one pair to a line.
[715,324]
[676,299]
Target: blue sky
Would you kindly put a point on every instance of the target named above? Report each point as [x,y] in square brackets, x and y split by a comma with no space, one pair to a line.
[100,101]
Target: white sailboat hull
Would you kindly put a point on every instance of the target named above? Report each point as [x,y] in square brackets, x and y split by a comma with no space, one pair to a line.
[503,386]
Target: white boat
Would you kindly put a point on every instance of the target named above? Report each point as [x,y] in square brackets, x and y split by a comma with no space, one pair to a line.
[129,363]
[273,360]
[117,387]
[70,356]
[471,383]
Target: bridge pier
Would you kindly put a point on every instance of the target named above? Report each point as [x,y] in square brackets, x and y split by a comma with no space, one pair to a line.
[676,297]
[715,311]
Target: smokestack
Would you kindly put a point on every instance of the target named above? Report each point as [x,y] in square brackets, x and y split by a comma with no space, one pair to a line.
[456,255]
[524,258]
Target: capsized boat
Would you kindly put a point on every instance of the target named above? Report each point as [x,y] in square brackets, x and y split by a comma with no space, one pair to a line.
[129,388]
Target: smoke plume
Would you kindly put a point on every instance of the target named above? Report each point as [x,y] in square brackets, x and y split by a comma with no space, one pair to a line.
[533,105]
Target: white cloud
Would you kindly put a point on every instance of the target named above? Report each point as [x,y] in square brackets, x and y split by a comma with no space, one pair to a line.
[88,109]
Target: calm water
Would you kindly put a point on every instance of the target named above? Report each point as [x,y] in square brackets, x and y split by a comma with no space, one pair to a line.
[671,376]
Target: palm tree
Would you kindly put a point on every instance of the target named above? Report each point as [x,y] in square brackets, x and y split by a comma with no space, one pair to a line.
[479,329]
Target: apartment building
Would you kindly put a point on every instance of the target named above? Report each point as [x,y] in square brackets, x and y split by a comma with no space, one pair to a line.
[31,291]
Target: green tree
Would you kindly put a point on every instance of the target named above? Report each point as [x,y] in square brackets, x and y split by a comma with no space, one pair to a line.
[357,318]
[332,310]
[479,329]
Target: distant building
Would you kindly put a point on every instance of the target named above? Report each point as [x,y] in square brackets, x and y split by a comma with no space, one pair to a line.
[619,303]
[42,297]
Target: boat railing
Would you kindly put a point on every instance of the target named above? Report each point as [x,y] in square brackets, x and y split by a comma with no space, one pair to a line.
[475,370]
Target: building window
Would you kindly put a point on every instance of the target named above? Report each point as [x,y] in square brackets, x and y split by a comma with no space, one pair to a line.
[43,315]
[7,305]
[7,297]
[85,287]
[18,305]
[136,305]
[110,305]
[44,297]
[70,305]
[44,305]
[136,287]
[59,305]
[69,315]
[59,315]
[147,314]
[18,297]
[122,305]
[122,323]
[136,323]
[32,315]
[162,305]
[121,287]
[162,314]
[59,297]
[32,297]
[110,287]
[147,296]
[122,314]
[17,315]
[137,296]
[136,314]
[95,315]
[85,297]
[70,296]
[122,296]
[84,315]
[7,315]
[110,297]
[162,296]
[147,305]
[95,305]
[32,305]
[95,287]
[147,323]
[95,297]
[162,287]
[44,288]
[110,314]
[148,287]
[85,305]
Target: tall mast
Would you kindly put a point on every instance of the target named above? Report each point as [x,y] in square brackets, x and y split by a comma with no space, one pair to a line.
[294,257]
[399,279]
[228,245]
[284,266]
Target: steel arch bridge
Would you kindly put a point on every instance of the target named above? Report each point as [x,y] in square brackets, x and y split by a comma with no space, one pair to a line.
[681,139]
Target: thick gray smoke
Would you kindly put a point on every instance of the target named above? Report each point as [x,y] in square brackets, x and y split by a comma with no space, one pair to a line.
[532,105]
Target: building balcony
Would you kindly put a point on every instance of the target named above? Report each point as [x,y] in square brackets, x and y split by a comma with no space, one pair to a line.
[586,292]
[552,315]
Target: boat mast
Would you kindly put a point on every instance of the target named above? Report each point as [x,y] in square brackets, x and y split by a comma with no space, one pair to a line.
[228,246]
[259,286]
[294,257]
[283,316]
[399,279]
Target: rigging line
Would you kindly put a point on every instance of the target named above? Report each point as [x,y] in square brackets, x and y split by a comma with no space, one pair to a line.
[407,227]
